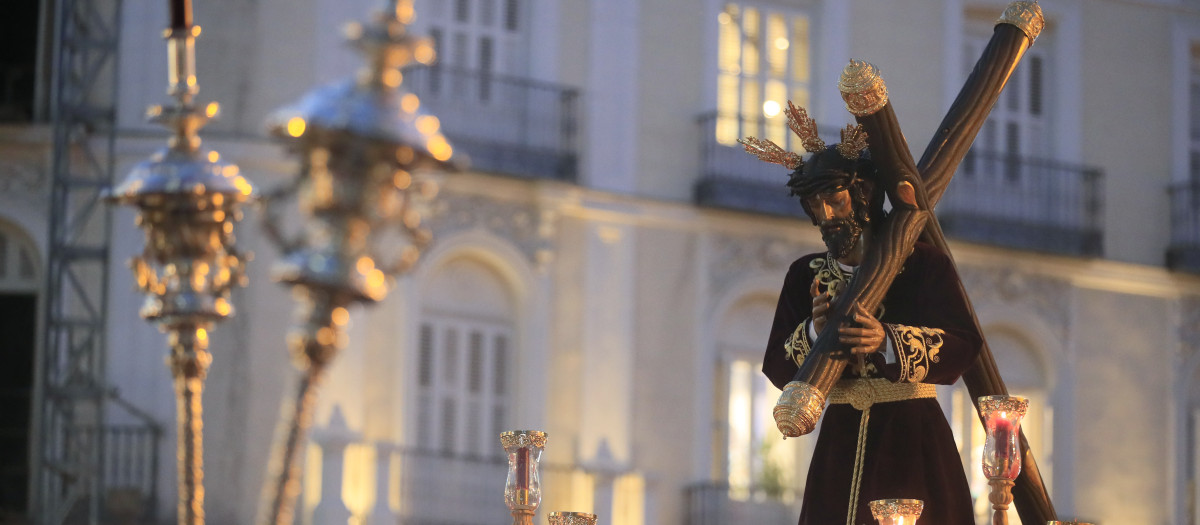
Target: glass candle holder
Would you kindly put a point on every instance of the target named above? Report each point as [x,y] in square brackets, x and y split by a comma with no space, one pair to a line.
[1002,449]
[523,490]
[896,511]
[572,518]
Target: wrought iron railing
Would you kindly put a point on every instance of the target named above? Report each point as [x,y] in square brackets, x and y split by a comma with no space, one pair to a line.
[1025,203]
[731,178]
[716,503]
[507,125]
[1184,250]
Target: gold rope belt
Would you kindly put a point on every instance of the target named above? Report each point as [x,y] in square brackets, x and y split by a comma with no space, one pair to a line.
[861,394]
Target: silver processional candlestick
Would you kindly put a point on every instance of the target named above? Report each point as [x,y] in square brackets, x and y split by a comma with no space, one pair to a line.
[361,143]
[188,201]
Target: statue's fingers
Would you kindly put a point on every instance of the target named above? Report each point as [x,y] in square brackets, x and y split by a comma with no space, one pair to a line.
[813,289]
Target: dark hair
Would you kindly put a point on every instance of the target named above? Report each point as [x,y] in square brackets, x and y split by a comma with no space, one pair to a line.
[828,171]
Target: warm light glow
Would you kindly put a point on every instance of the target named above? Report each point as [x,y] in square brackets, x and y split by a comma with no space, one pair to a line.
[201,334]
[212,109]
[424,52]
[365,264]
[392,78]
[195,31]
[402,179]
[214,156]
[412,219]
[771,108]
[295,126]
[409,103]
[724,18]
[375,279]
[428,124]
[439,148]
[404,11]
[341,316]
[781,43]
[404,155]
[222,306]
[325,336]
[218,199]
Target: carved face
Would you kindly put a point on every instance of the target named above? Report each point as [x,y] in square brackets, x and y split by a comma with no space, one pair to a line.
[835,213]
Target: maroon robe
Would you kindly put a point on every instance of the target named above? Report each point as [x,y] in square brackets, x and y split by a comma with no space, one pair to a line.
[910,450]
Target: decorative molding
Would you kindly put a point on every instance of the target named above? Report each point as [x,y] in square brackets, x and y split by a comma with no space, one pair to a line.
[1046,297]
[735,257]
[530,229]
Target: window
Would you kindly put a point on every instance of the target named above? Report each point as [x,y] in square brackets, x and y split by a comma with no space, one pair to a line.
[760,464]
[463,361]
[474,39]
[18,59]
[1018,125]
[763,60]
[462,385]
[752,457]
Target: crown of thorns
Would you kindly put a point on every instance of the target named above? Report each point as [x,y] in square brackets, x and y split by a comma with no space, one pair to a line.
[854,141]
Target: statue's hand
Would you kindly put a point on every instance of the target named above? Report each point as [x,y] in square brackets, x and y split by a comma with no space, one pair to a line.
[820,305]
[866,338]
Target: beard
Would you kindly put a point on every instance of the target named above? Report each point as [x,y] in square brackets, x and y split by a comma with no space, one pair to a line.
[840,236]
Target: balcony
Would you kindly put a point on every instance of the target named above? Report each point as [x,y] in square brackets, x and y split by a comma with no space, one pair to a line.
[732,179]
[505,125]
[716,503]
[1025,203]
[1184,251]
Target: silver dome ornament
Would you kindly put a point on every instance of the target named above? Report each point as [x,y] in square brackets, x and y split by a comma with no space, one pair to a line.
[367,156]
[188,201]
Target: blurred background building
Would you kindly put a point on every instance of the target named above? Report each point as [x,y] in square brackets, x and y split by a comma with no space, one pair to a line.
[607,269]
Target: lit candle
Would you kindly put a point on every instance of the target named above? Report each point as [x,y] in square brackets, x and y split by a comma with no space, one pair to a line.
[523,473]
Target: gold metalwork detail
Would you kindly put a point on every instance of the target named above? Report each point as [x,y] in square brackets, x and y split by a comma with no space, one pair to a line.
[862,393]
[1026,16]
[798,409]
[862,88]
[572,518]
[917,347]
[854,141]
[798,346]
[1067,522]
[522,517]
[804,127]
[882,508]
[768,151]
[514,439]
[1001,497]
[1015,404]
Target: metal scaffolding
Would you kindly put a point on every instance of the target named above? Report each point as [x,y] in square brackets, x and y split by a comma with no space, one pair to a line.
[71,383]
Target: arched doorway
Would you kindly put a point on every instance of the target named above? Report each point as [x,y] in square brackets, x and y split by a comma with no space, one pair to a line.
[19,284]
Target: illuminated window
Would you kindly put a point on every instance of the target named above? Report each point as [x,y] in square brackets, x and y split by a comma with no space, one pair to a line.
[752,457]
[763,60]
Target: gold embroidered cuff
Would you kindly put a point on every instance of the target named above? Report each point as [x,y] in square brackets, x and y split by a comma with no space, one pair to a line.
[1027,16]
[798,345]
[917,348]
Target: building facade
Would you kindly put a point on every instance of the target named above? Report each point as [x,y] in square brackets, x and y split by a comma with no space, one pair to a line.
[607,268]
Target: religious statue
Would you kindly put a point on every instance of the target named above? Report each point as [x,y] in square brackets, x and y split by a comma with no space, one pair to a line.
[868,326]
